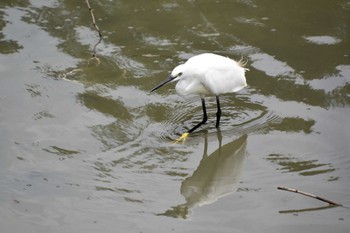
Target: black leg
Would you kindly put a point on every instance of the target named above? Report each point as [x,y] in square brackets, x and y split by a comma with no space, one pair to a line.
[218,113]
[205,117]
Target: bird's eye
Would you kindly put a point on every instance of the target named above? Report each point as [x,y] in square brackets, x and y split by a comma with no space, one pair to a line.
[179,74]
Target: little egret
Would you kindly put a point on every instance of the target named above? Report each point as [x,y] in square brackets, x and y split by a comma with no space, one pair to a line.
[207,74]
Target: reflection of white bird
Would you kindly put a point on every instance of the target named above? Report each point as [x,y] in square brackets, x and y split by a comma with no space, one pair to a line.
[216,176]
[207,74]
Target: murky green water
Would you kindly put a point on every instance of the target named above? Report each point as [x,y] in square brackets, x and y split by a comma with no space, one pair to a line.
[84,147]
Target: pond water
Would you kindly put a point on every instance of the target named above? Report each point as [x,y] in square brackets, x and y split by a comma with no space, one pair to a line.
[85,147]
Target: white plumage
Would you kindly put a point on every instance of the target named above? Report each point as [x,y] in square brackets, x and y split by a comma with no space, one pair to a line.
[207,74]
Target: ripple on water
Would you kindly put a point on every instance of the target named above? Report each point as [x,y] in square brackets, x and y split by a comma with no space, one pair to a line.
[304,167]
[137,69]
[238,115]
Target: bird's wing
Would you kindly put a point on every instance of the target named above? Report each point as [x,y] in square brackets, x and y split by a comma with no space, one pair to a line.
[224,80]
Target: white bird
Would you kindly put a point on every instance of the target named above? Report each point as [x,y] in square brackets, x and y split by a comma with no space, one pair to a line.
[207,74]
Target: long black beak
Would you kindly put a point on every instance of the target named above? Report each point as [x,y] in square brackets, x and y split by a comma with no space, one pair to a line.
[169,79]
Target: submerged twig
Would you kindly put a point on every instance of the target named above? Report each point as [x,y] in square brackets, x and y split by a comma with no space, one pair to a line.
[97,29]
[307,209]
[93,18]
[310,195]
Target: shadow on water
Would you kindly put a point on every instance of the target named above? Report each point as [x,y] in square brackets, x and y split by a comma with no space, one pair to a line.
[216,176]
[307,209]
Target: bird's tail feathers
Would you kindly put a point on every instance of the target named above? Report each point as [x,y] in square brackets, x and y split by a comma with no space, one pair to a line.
[243,62]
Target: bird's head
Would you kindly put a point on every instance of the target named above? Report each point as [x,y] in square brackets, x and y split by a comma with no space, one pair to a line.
[175,75]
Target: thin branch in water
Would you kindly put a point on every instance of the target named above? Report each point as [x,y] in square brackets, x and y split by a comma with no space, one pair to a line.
[93,18]
[97,29]
[306,210]
[310,195]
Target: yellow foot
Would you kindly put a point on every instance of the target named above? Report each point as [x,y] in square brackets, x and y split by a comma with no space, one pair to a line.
[182,138]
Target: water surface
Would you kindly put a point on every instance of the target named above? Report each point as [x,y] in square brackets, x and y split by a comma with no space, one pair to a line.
[85,147]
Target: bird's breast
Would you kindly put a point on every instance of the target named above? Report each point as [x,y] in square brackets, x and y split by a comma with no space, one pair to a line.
[191,86]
